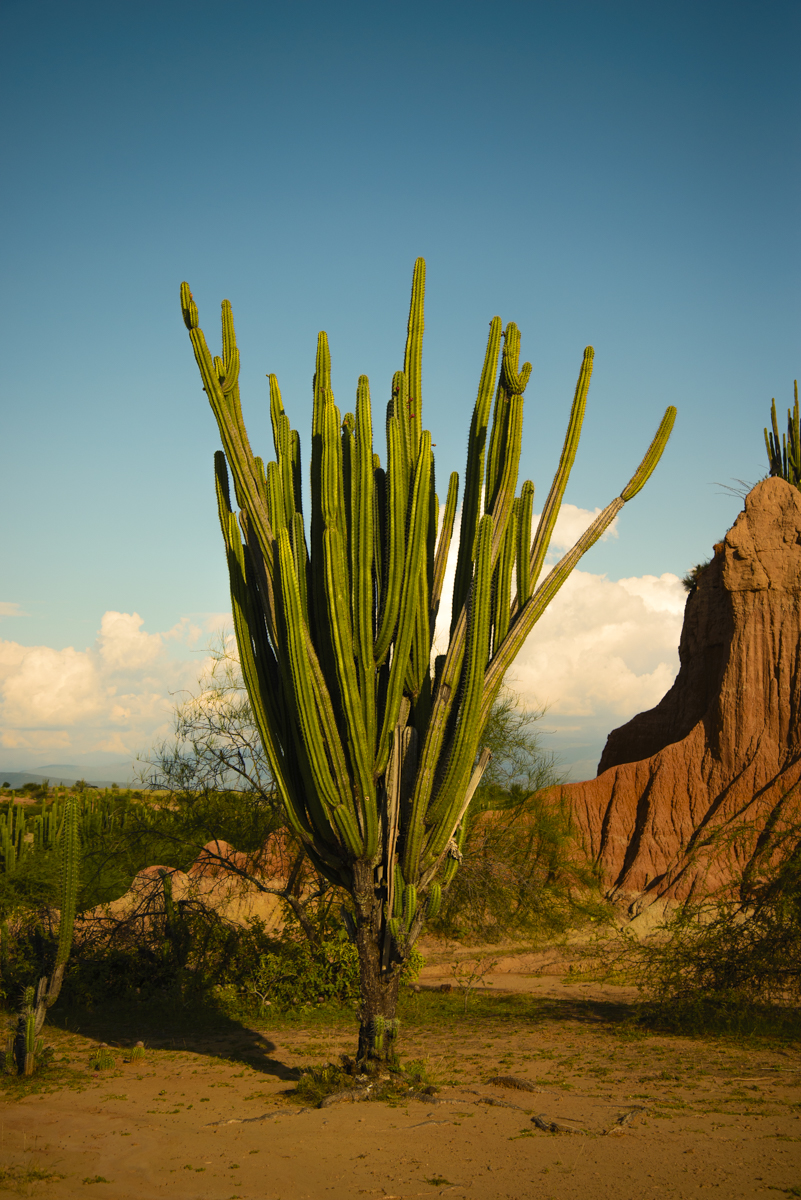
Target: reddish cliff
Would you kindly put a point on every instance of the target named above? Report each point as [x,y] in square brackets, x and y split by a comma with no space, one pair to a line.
[722,748]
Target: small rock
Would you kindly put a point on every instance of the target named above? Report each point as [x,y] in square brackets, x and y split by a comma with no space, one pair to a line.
[543,1122]
[352,1094]
[513,1081]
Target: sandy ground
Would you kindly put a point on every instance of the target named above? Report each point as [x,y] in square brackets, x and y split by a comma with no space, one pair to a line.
[641,1116]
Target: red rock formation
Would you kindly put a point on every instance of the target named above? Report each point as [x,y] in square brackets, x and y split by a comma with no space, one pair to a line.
[723,747]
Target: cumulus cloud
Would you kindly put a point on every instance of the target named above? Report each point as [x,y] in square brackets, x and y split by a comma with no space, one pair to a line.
[116,696]
[570,524]
[601,652]
[604,649]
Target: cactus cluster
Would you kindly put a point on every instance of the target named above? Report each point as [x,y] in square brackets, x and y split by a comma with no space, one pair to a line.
[784,456]
[375,748]
[25,1047]
[21,835]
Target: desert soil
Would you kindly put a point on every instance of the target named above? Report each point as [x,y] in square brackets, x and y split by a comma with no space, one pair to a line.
[639,1116]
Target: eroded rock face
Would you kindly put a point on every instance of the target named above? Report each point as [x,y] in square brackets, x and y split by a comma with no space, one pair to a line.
[723,747]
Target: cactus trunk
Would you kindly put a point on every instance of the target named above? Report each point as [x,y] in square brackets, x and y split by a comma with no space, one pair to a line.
[375,748]
[379,986]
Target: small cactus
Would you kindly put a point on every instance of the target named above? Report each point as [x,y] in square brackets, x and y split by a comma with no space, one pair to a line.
[102,1060]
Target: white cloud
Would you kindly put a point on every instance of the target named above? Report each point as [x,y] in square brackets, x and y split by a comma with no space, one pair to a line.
[117,696]
[602,649]
[10,608]
[570,524]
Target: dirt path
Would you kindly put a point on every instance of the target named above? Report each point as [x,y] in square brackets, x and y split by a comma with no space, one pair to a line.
[639,1117]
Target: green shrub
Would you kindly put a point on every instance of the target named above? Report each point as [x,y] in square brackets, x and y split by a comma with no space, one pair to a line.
[731,964]
[523,873]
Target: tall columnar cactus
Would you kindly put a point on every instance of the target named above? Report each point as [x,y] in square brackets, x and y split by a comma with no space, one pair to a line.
[35,1003]
[376,755]
[785,456]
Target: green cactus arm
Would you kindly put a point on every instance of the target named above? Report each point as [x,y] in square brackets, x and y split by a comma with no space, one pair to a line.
[769,449]
[230,351]
[297,475]
[511,386]
[527,617]
[301,555]
[350,475]
[514,384]
[275,498]
[283,442]
[418,673]
[332,492]
[545,526]
[461,751]
[261,677]
[363,542]
[303,689]
[794,443]
[524,543]
[360,751]
[392,788]
[70,871]
[398,406]
[474,472]
[395,541]
[276,412]
[773,442]
[321,381]
[500,411]
[445,697]
[379,527]
[415,548]
[501,599]
[443,546]
[440,836]
[651,458]
[409,904]
[413,362]
[286,467]
[420,653]
[231,428]
[506,481]
[261,475]
[434,901]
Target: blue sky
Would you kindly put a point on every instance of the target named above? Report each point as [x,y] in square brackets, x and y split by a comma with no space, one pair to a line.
[621,174]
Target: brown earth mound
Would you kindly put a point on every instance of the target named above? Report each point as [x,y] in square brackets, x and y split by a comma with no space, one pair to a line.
[723,748]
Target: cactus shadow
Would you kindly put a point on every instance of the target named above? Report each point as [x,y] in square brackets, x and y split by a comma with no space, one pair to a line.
[198,1028]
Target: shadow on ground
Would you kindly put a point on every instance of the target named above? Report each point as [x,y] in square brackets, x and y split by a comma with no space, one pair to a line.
[171,1024]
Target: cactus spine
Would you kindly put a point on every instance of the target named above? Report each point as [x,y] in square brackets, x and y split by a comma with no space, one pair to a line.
[376,758]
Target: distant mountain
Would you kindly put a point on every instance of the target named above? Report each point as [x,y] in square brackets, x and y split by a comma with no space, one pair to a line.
[69,773]
[121,772]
